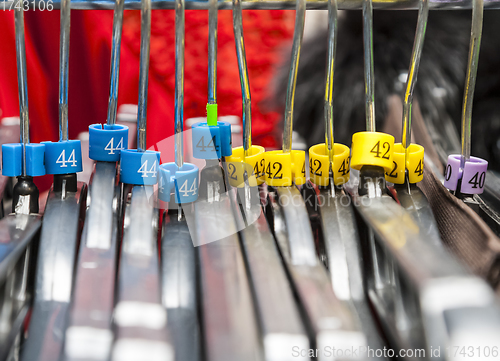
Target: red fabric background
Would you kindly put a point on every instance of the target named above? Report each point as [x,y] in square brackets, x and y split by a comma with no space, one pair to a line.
[267,33]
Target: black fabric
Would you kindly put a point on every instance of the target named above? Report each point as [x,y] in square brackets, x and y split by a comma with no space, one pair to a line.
[463,231]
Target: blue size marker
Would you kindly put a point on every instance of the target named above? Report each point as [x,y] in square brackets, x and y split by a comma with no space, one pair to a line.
[12,159]
[180,178]
[140,167]
[23,160]
[211,140]
[108,140]
[65,156]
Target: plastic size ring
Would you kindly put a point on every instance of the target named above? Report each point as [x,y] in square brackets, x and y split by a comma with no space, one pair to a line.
[284,169]
[35,159]
[299,167]
[453,172]
[319,164]
[206,141]
[184,181]
[397,173]
[63,157]
[227,140]
[139,168]
[372,148]
[12,159]
[473,174]
[106,142]
[253,164]
[211,142]
[414,164]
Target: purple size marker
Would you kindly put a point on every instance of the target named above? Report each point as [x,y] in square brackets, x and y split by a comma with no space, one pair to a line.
[453,172]
[474,176]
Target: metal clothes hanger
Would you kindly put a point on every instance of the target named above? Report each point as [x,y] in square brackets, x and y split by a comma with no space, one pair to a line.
[281,323]
[217,241]
[409,168]
[211,140]
[331,212]
[62,218]
[289,220]
[465,175]
[98,253]
[178,255]
[140,320]
[406,275]
[18,235]
[20,230]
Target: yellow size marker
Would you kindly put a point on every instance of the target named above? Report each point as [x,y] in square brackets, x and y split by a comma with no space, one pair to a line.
[372,148]
[414,164]
[319,164]
[253,164]
[284,169]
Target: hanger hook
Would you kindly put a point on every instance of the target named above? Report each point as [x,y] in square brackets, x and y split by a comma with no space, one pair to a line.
[368,60]
[22,83]
[212,51]
[63,68]
[179,81]
[470,79]
[300,16]
[330,69]
[411,80]
[244,80]
[115,60]
[143,74]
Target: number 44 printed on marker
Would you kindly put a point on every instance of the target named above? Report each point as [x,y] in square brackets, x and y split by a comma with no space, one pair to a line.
[110,148]
[193,189]
[64,162]
[144,170]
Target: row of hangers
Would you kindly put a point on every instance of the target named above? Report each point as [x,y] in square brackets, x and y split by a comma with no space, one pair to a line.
[408,267]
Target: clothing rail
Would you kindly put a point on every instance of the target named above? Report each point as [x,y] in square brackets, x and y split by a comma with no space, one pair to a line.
[250,4]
